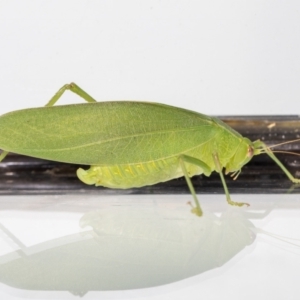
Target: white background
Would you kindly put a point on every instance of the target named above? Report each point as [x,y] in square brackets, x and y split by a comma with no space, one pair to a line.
[215,57]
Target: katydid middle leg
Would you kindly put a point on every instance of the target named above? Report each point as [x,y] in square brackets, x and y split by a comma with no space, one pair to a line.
[191,160]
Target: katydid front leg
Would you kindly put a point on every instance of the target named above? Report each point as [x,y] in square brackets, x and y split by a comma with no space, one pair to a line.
[219,170]
[259,144]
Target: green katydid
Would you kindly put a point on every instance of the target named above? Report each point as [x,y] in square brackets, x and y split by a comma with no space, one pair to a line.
[130,144]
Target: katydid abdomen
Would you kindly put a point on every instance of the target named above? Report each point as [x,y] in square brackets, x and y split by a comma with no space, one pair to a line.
[151,172]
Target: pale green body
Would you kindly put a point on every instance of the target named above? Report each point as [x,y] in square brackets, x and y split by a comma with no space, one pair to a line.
[129,144]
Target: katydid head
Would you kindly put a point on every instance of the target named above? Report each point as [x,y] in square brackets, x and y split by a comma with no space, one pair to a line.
[248,149]
[242,156]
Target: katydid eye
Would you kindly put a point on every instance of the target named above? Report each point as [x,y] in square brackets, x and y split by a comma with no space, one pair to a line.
[250,151]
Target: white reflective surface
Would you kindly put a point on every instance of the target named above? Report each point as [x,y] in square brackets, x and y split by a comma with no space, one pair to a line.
[122,247]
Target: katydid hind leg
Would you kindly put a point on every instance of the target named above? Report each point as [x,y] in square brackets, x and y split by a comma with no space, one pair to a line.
[73,87]
[219,170]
